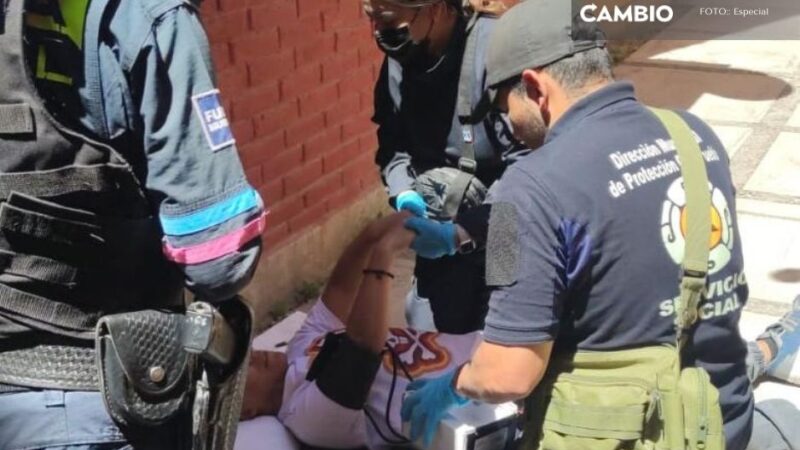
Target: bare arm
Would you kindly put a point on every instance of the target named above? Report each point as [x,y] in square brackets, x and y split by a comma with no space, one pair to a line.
[340,292]
[369,321]
[499,373]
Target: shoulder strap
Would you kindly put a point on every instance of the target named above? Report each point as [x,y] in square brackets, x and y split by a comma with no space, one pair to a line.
[698,221]
[466,86]
[467,164]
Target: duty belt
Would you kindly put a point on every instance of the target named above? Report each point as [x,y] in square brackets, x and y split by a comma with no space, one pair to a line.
[49,367]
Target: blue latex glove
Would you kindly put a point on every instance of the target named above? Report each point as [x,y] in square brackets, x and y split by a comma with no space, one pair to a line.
[411,201]
[434,239]
[426,403]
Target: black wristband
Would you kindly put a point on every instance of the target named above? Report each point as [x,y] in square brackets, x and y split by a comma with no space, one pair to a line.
[378,273]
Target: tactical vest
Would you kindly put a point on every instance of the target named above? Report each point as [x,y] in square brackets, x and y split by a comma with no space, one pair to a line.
[77,236]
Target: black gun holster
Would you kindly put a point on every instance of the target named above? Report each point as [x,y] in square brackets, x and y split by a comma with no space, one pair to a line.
[146,377]
[164,369]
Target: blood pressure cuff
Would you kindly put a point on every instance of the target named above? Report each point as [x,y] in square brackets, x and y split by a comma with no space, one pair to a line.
[344,371]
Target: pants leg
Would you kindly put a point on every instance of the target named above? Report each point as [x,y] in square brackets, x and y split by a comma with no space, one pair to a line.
[418,310]
[57,420]
[775,426]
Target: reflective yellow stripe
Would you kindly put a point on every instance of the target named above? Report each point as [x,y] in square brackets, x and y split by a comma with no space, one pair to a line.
[74,14]
[43,74]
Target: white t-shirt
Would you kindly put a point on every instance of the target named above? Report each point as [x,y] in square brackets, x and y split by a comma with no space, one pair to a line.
[316,420]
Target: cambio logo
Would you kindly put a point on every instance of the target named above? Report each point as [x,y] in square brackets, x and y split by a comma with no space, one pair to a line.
[630,13]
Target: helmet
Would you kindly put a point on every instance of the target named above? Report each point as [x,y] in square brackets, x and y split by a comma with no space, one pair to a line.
[435,186]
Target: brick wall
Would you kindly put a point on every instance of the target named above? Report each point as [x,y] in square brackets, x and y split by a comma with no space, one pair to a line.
[297,79]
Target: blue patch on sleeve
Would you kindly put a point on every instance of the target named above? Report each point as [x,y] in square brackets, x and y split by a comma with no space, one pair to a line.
[212,116]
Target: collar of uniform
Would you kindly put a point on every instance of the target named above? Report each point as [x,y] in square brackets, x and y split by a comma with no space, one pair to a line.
[602,98]
[434,68]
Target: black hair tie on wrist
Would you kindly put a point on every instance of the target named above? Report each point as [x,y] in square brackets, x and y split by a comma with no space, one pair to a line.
[378,273]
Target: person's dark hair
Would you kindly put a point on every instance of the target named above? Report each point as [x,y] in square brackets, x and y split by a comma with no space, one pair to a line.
[576,71]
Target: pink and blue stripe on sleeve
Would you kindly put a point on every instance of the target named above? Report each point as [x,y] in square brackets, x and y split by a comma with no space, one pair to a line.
[214,231]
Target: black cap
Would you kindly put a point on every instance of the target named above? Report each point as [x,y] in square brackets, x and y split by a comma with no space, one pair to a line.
[534,34]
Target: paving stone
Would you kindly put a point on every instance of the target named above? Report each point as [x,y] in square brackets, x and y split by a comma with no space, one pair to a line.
[794,121]
[732,137]
[738,97]
[778,173]
[774,57]
[771,248]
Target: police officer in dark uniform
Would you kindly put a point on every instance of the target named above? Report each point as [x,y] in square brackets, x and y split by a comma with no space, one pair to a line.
[434,71]
[120,185]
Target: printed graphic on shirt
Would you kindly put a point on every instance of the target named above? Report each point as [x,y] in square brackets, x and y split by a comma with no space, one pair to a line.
[673,226]
[722,297]
[419,352]
[212,116]
[649,162]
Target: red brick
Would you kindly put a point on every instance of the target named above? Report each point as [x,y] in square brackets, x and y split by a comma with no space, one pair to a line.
[221,56]
[308,7]
[224,26]
[258,44]
[256,152]
[208,8]
[368,142]
[275,235]
[323,188]
[276,167]
[366,100]
[315,50]
[298,31]
[356,80]
[360,169]
[320,143]
[276,119]
[301,177]
[371,180]
[253,175]
[270,68]
[232,80]
[301,80]
[285,210]
[331,20]
[369,54]
[347,106]
[243,131]
[352,12]
[272,192]
[319,99]
[357,125]
[312,215]
[336,159]
[340,65]
[253,101]
[228,5]
[301,129]
[347,37]
[273,13]
[342,198]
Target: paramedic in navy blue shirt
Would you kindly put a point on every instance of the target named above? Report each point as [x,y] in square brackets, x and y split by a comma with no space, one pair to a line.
[419,130]
[594,259]
[137,75]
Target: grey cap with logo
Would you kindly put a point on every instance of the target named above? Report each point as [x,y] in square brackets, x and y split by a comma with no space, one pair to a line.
[534,34]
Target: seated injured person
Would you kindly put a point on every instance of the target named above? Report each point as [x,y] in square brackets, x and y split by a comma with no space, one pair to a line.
[341,382]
